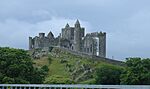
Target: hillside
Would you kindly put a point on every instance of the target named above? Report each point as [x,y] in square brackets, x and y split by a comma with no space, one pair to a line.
[65,67]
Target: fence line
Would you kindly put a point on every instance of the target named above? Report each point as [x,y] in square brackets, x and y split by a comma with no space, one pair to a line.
[78,86]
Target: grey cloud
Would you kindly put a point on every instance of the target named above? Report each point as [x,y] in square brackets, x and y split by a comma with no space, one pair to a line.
[15,33]
[125,21]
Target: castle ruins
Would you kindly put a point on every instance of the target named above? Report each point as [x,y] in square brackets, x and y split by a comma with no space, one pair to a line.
[74,39]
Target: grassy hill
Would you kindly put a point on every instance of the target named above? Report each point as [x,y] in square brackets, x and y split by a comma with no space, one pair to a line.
[65,67]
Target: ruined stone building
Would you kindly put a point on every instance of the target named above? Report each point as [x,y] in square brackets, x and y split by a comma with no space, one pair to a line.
[72,38]
[42,41]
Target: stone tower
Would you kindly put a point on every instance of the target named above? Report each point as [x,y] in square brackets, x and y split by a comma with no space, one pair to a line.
[78,34]
[30,43]
[41,35]
[95,44]
[102,44]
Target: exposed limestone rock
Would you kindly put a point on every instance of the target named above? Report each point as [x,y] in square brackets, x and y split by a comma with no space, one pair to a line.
[82,72]
[38,53]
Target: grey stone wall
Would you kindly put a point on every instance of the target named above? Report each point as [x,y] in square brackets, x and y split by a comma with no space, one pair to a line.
[94,57]
[42,41]
[95,43]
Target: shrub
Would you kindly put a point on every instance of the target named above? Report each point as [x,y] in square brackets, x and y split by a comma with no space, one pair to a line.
[108,74]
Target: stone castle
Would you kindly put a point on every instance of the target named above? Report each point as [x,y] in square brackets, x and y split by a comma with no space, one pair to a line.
[74,39]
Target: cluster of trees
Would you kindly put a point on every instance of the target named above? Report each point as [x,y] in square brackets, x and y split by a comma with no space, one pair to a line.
[136,72]
[108,74]
[16,67]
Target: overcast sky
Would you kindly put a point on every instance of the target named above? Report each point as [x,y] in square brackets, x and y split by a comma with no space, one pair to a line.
[126,22]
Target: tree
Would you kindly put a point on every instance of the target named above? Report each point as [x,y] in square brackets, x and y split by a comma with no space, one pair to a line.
[16,66]
[45,68]
[137,72]
[108,74]
[58,79]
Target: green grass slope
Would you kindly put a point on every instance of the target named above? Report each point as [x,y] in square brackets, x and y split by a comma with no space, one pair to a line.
[66,68]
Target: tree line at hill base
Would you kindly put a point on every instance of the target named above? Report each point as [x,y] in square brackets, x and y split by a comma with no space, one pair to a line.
[17,67]
[136,72]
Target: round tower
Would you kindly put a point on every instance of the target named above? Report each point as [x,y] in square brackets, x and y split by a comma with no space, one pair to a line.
[77,24]
[77,36]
